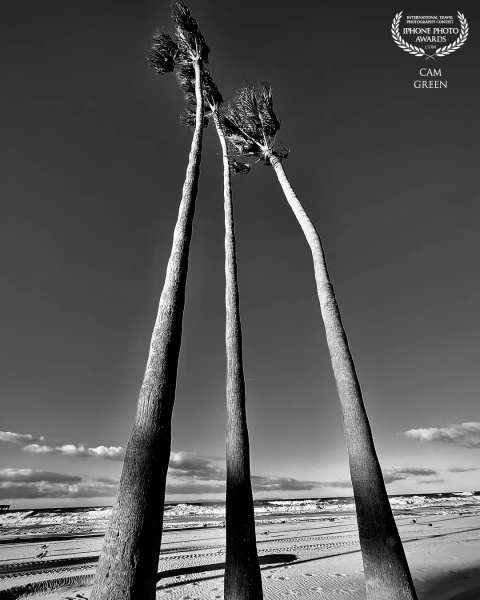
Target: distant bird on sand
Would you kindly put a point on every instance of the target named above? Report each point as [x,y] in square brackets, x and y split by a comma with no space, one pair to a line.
[413,521]
[42,554]
[430,525]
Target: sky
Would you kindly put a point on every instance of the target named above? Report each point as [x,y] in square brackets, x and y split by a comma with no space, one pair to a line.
[94,159]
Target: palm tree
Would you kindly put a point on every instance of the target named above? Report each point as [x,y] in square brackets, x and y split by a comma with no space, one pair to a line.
[243,580]
[128,564]
[252,127]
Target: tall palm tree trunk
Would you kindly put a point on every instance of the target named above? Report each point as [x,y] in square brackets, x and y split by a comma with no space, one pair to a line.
[386,569]
[128,564]
[243,579]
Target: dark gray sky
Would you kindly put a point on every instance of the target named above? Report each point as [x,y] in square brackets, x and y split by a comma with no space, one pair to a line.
[93,163]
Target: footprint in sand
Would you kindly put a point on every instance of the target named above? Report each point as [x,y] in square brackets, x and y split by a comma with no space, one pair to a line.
[316,588]
[290,593]
[341,575]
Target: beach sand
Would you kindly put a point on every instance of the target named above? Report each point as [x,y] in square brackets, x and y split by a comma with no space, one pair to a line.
[299,559]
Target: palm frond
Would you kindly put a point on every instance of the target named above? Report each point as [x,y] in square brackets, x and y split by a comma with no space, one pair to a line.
[183,18]
[190,38]
[239,168]
[246,110]
[189,119]
[245,147]
[269,120]
[162,56]
[251,125]
[186,80]
[282,152]
[238,125]
[211,93]
[229,120]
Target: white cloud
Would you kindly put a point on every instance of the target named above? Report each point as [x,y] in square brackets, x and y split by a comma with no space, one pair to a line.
[70,450]
[18,438]
[461,469]
[431,481]
[280,484]
[32,476]
[391,474]
[37,449]
[30,444]
[338,483]
[464,434]
[107,453]
[188,464]
[28,484]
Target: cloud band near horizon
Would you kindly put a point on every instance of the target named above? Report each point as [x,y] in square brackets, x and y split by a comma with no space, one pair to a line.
[463,434]
[188,473]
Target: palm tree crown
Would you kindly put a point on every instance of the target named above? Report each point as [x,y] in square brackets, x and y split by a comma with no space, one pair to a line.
[188,46]
[251,126]
[212,97]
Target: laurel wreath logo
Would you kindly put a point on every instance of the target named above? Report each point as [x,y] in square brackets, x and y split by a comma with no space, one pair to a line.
[416,51]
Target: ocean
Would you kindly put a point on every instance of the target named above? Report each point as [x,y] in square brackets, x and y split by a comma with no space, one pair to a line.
[180,515]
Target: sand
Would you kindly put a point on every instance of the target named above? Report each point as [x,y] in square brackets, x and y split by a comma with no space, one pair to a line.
[299,559]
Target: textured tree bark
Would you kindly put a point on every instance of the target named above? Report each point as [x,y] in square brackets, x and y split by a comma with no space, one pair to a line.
[243,579]
[386,569]
[127,569]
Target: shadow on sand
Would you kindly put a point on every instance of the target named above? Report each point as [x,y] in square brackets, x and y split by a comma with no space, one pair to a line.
[461,584]
[269,559]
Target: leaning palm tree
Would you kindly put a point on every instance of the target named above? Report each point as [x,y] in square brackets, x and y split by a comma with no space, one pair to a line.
[252,127]
[243,580]
[128,563]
